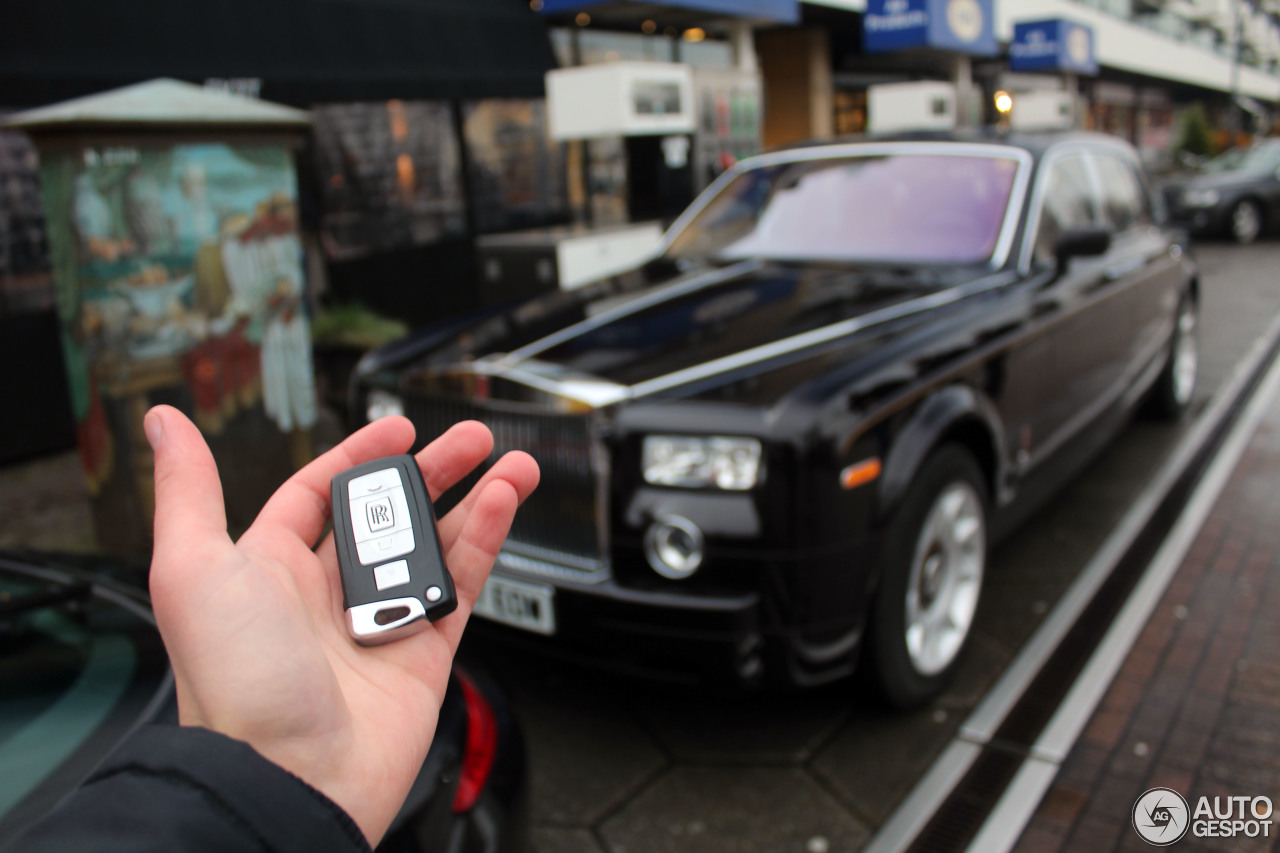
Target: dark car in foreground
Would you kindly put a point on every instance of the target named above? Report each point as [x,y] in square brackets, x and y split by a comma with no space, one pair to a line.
[82,665]
[789,440]
[1236,194]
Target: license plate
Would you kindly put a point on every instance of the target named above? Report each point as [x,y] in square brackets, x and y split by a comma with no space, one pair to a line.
[522,605]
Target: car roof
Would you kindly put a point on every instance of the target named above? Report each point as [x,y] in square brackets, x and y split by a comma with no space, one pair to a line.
[1035,143]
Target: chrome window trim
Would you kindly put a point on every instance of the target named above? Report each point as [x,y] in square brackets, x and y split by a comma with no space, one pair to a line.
[1013,211]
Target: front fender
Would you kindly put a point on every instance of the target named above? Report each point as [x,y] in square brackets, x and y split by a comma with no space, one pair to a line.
[956,412]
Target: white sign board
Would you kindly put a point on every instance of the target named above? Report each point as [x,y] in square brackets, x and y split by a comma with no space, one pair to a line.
[896,107]
[1043,111]
[620,99]
[593,256]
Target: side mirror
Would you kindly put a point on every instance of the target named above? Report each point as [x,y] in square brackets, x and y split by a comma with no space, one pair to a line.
[1081,243]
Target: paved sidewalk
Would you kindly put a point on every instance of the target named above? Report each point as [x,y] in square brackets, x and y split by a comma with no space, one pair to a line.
[1196,705]
[44,506]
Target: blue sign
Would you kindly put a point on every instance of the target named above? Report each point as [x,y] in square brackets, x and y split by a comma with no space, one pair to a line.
[1053,45]
[780,11]
[962,26]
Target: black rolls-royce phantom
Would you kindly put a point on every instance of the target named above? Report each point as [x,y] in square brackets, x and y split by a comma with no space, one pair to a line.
[789,440]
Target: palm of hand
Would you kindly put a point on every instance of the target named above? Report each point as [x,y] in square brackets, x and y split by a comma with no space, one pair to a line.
[255,629]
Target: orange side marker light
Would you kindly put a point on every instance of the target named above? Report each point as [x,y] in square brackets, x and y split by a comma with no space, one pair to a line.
[860,473]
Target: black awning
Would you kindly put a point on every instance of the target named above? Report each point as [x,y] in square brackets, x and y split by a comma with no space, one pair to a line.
[303,51]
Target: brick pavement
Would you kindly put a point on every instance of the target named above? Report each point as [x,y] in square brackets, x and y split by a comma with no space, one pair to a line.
[1196,705]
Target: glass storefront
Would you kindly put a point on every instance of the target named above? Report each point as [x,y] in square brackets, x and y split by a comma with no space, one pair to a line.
[516,173]
[851,111]
[28,323]
[391,173]
[599,46]
[390,176]
[25,283]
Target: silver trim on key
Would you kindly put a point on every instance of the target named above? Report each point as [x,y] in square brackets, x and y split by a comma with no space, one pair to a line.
[362,620]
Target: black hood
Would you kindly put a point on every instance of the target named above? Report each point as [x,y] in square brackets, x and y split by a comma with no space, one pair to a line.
[715,313]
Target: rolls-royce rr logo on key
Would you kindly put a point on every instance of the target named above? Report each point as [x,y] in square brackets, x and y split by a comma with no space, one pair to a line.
[379,513]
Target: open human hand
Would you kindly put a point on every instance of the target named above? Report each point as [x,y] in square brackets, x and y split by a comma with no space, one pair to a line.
[255,628]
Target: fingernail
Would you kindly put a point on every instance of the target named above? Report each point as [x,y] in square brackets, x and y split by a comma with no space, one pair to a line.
[154,428]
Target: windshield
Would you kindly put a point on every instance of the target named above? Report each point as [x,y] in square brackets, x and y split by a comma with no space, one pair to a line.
[1263,158]
[898,207]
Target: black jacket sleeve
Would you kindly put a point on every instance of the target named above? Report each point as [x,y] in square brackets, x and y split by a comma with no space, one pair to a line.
[179,789]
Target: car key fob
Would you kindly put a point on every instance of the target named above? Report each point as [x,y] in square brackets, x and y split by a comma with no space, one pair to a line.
[393,571]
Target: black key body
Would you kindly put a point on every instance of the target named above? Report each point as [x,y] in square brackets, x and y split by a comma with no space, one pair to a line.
[393,571]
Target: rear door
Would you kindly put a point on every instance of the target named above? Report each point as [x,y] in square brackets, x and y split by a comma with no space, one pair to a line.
[1140,268]
[1081,323]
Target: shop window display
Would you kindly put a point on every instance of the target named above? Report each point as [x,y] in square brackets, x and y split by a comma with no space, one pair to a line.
[389,175]
[517,174]
[25,283]
[597,46]
[850,112]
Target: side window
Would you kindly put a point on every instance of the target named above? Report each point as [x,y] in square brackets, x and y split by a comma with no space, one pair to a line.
[1124,203]
[1068,203]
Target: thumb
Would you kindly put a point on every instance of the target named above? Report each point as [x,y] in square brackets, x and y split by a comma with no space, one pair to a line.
[189,510]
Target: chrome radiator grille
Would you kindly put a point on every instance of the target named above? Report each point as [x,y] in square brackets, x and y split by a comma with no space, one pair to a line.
[557,531]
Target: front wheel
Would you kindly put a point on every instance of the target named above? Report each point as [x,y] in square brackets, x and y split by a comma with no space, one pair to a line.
[935,560]
[1246,221]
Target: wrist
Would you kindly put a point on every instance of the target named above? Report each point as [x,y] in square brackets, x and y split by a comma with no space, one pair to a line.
[308,758]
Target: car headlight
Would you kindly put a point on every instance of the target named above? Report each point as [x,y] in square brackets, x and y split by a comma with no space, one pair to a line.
[1201,198]
[382,403]
[700,462]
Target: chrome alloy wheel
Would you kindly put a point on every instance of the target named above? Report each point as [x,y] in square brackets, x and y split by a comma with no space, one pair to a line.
[945,579]
[1246,222]
[1186,355]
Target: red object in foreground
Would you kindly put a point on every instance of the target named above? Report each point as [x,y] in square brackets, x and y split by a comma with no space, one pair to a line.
[482,745]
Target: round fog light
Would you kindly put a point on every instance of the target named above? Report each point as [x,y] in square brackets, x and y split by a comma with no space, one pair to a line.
[674,546]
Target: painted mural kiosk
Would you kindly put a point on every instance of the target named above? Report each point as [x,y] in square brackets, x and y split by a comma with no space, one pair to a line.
[178,269]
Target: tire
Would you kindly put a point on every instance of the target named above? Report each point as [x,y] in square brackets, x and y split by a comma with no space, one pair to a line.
[1176,385]
[935,560]
[1246,221]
